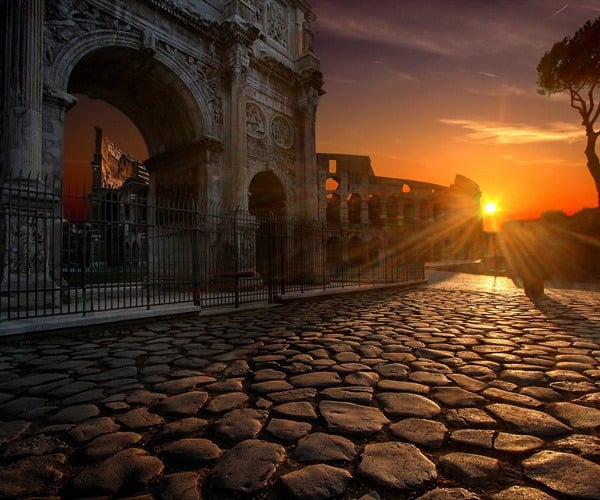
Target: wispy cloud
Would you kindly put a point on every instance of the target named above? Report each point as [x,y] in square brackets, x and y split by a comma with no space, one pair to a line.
[533,162]
[502,90]
[501,133]
[426,27]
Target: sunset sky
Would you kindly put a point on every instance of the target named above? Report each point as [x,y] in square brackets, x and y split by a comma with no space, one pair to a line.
[432,88]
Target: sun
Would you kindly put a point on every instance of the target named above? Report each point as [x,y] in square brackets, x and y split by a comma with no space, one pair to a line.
[490,208]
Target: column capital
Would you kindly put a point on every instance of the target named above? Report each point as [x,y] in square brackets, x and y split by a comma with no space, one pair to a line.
[59,99]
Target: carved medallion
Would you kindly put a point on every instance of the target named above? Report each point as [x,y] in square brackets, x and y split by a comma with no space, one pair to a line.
[256,125]
[282,132]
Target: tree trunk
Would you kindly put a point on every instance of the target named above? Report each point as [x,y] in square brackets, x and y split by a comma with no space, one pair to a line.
[593,163]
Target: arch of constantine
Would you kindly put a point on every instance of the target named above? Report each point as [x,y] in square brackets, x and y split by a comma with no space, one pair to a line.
[224,94]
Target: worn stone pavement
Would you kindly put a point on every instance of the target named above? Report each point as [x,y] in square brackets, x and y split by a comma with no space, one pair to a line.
[461,389]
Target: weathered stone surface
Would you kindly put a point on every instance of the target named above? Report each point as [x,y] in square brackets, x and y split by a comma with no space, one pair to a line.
[241,424]
[356,394]
[191,451]
[179,486]
[140,419]
[350,418]
[579,417]
[144,397]
[316,379]
[398,466]
[396,404]
[227,402]
[449,494]
[9,431]
[34,445]
[470,417]
[516,443]
[183,427]
[473,437]
[131,468]
[316,482]
[271,386]
[524,378]
[300,410]
[305,394]
[367,379]
[469,469]
[92,428]
[183,384]
[108,444]
[32,476]
[580,444]
[529,421]
[248,466]
[424,432]
[522,493]
[402,386]
[394,371]
[74,414]
[288,430]
[565,473]
[455,397]
[186,404]
[321,447]
[510,397]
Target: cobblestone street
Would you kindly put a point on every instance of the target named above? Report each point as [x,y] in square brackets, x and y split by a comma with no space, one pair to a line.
[460,389]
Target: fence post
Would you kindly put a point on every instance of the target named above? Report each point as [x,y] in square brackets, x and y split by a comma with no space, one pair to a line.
[236,254]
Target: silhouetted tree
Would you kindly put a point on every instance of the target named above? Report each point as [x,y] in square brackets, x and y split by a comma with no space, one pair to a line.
[573,65]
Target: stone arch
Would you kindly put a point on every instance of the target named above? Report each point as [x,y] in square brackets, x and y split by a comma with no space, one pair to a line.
[267,195]
[333,210]
[393,207]
[354,208]
[374,208]
[69,54]
[356,250]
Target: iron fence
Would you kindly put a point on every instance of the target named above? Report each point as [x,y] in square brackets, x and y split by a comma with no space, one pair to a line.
[117,250]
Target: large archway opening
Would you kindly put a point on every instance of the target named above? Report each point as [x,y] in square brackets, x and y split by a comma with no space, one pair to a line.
[266,196]
[148,114]
[267,202]
[80,144]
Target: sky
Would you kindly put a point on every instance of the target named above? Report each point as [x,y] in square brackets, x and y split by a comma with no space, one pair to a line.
[430,89]
[433,88]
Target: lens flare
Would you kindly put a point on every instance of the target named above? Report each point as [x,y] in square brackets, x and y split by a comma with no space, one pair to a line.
[490,208]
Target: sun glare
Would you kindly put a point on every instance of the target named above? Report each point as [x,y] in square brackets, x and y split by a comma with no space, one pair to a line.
[490,208]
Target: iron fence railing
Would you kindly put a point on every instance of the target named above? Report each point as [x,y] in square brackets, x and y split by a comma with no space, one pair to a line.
[118,251]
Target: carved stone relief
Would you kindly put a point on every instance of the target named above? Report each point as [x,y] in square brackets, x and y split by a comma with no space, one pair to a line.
[200,71]
[27,245]
[256,124]
[282,132]
[257,148]
[277,25]
[67,19]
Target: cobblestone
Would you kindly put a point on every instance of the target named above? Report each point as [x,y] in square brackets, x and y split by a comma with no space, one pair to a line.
[464,388]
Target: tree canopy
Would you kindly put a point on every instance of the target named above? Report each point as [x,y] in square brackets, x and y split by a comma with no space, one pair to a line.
[573,65]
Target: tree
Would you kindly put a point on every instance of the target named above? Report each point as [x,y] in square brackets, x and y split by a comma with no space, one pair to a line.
[573,65]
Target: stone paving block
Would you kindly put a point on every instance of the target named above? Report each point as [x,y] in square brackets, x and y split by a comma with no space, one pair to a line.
[398,466]
[248,466]
[316,482]
[564,473]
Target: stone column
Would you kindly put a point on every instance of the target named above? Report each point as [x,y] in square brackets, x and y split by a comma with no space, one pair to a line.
[308,173]
[237,185]
[55,105]
[22,88]
[28,199]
